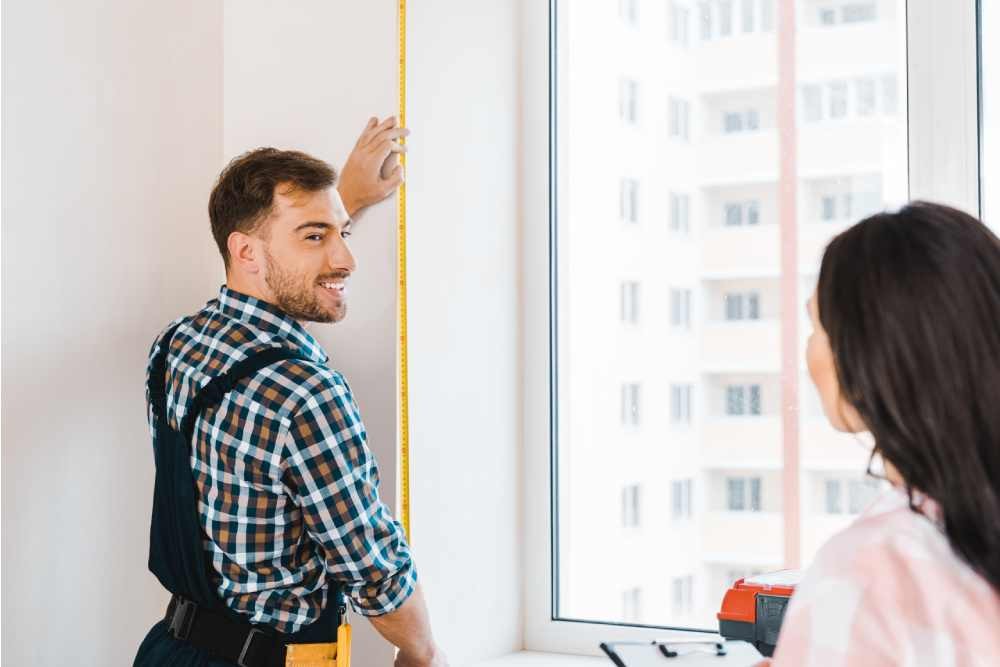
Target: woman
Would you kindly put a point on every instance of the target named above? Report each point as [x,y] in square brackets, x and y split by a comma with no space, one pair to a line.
[906,346]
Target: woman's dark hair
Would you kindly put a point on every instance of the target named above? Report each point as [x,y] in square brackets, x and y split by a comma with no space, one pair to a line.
[244,194]
[910,302]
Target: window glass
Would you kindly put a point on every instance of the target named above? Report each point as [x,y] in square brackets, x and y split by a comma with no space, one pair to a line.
[726,190]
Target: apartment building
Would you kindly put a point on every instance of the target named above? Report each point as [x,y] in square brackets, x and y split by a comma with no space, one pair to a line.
[706,156]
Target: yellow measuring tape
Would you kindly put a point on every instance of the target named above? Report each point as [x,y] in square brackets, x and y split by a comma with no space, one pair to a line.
[404,401]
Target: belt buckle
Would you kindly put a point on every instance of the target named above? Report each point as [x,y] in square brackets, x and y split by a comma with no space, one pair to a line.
[183,617]
[246,647]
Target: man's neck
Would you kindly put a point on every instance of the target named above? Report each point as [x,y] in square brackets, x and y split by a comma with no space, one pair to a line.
[249,288]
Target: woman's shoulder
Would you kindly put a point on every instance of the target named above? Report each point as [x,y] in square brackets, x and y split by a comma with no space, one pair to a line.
[888,574]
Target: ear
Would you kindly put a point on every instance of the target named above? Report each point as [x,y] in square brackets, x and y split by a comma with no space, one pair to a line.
[244,253]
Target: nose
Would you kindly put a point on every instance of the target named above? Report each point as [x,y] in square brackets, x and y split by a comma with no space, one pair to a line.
[341,256]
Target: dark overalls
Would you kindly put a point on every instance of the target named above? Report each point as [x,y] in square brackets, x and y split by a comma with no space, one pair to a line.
[199,630]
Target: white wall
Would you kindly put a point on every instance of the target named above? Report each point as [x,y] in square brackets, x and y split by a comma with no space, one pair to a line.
[112,135]
[463,273]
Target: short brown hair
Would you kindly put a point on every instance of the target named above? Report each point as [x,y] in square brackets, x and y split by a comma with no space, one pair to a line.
[244,194]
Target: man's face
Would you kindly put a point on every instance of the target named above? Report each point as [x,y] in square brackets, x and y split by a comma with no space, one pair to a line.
[307,259]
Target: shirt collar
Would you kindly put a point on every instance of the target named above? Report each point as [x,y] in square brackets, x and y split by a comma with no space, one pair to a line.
[270,320]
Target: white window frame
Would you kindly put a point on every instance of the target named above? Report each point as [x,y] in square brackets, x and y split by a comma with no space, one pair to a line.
[943,166]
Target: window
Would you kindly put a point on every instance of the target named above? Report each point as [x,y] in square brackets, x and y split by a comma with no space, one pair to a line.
[632,605]
[725,9]
[865,94]
[748,15]
[743,494]
[860,494]
[833,502]
[767,15]
[736,214]
[680,403]
[679,116]
[630,302]
[628,104]
[680,493]
[858,12]
[743,400]
[812,103]
[705,20]
[827,16]
[628,200]
[838,99]
[680,214]
[890,103]
[714,215]
[630,506]
[680,308]
[682,594]
[679,18]
[628,12]
[630,404]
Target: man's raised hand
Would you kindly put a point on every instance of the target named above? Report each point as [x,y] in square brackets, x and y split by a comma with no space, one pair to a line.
[372,171]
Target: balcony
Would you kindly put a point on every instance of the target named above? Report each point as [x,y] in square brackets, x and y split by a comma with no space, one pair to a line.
[743,346]
[743,537]
[852,146]
[742,442]
[741,158]
[861,48]
[741,252]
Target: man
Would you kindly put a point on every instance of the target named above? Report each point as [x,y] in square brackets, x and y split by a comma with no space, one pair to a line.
[286,492]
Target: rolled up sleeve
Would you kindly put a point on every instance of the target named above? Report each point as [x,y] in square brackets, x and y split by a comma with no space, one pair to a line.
[334,479]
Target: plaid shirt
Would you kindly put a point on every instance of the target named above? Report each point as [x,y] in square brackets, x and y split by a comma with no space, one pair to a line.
[289,491]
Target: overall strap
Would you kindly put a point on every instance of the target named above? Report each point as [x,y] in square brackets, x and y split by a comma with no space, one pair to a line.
[213,392]
[157,383]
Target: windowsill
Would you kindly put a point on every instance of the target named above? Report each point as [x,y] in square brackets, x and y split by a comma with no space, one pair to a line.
[536,659]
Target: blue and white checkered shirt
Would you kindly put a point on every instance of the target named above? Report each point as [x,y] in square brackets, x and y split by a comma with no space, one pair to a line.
[289,491]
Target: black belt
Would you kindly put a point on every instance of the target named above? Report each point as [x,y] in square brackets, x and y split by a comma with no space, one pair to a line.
[223,636]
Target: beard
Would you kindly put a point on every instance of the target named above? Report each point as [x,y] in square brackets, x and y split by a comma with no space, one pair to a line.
[296,294]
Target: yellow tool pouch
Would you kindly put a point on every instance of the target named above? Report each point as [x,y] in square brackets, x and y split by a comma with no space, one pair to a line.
[322,655]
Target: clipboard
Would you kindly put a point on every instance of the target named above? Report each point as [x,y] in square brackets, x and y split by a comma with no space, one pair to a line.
[711,651]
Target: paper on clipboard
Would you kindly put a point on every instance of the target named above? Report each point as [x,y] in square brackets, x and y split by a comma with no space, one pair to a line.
[650,654]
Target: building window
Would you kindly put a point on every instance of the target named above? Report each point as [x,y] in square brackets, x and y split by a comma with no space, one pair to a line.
[705,20]
[858,13]
[865,96]
[725,8]
[736,214]
[680,113]
[628,101]
[630,302]
[812,103]
[748,15]
[681,495]
[838,99]
[632,605]
[628,12]
[630,506]
[740,121]
[680,403]
[833,500]
[742,400]
[860,494]
[680,308]
[827,16]
[630,404]
[628,200]
[680,214]
[743,494]
[742,306]
[679,18]
[890,101]
[682,594]
[766,15]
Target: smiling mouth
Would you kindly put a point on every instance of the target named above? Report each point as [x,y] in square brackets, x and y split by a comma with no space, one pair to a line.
[334,286]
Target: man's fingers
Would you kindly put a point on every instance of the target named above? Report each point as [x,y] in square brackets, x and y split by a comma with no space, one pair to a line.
[395,179]
[365,135]
[389,134]
[373,134]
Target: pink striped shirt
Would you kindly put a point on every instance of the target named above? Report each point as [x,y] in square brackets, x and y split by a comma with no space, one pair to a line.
[889,590]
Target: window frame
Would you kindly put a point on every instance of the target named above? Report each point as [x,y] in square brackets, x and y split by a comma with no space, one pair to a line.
[941,88]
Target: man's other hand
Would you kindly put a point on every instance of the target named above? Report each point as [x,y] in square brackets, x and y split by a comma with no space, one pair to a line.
[372,171]
[435,660]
